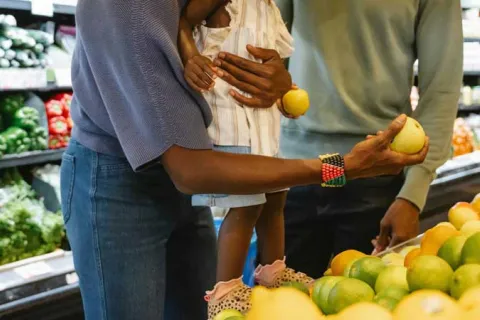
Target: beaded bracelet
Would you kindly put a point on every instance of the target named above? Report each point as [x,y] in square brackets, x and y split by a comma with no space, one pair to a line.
[333,170]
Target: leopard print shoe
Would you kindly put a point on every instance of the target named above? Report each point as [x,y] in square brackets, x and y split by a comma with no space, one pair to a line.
[289,275]
[277,273]
[237,298]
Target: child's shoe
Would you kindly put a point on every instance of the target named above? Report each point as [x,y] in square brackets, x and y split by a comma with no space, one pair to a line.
[276,274]
[231,295]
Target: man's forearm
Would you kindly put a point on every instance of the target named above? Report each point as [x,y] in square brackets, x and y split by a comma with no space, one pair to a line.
[208,171]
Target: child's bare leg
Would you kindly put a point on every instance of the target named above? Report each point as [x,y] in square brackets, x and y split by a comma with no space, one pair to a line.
[271,229]
[234,240]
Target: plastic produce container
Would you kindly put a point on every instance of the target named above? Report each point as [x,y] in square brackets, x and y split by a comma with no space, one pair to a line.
[249,268]
[398,248]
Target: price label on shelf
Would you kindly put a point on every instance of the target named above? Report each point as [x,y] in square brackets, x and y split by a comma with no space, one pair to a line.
[63,77]
[33,270]
[19,79]
[42,8]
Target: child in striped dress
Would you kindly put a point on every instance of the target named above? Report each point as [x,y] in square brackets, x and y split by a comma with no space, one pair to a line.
[208,27]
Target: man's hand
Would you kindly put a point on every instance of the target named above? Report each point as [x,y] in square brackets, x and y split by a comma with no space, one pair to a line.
[200,73]
[373,157]
[264,82]
[401,223]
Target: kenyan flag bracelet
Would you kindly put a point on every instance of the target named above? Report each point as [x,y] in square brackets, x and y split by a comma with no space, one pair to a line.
[333,170]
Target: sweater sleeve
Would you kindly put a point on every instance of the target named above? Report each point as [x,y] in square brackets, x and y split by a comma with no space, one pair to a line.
[131,50]
[439,43]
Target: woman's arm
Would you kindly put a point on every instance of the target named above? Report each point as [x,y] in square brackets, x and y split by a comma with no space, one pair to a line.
[206,171]
[199,71]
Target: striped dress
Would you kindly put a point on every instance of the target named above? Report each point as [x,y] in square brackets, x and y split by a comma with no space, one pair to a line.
[257,23]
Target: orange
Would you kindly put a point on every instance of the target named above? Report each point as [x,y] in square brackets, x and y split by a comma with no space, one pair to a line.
[342,259]
[435,238]
[411,256]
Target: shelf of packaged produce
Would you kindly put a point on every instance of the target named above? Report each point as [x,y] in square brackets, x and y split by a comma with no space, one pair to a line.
[51,79]
[470,4]
[59,6]
[37,275]
[458,168]
[29,158]
[471,108]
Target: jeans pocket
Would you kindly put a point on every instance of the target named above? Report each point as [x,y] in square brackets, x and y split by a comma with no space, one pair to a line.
[67,180]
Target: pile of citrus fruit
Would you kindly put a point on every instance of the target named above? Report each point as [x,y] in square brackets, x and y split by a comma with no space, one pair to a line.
[436,280]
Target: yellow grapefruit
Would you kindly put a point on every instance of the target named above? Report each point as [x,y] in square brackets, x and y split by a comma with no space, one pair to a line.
[364,311]
[428,305]
[470,299]
[282,304]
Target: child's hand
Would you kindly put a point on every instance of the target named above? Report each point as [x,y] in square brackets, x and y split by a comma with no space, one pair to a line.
[200,73]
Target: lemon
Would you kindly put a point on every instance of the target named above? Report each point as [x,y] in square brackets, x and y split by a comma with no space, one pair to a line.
[392,277]
[466,277]
[321,291]
[367,270]
[296,102]
[429,272]
[348,292]
[470,251]
[451,251]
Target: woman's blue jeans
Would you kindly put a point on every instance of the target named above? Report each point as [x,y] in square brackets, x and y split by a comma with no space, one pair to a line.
[140,249]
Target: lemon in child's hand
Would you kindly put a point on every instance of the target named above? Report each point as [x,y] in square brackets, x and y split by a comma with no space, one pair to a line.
[296,102]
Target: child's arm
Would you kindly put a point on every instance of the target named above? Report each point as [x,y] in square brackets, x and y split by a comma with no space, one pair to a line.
[199,70]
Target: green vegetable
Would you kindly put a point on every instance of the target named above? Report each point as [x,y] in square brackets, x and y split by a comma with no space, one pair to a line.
[26,118]
[3,146]
[5,43]
[17,140]
[39,139]
[41,37]
[4,63]
[27,228]
[14,64]
[11,103]
[10,54]
[38,48]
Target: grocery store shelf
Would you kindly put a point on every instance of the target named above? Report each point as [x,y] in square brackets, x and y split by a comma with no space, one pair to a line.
[29,158]
[59,6]
[470,4]
[30,277]
[35,79]
[458,168]
[472,108]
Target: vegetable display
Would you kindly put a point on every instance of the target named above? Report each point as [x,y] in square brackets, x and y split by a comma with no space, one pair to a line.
[27,228]
[60,123]
[22,48]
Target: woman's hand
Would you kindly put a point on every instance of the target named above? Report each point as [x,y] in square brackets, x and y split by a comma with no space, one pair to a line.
[265,82]
[373,157]
[200,73]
